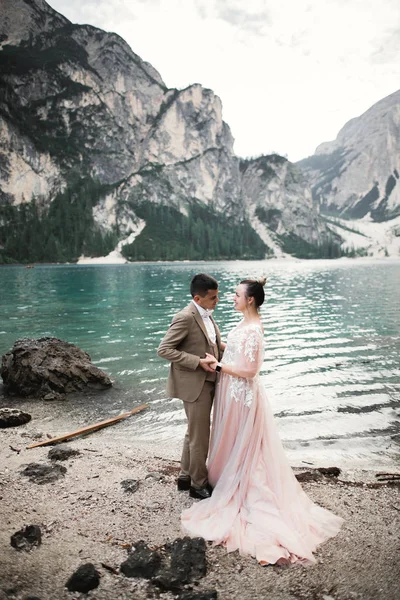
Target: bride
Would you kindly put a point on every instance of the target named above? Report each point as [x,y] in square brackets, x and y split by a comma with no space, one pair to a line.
[257,505]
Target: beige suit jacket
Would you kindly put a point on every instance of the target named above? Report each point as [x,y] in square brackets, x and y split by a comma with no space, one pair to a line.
[185,342]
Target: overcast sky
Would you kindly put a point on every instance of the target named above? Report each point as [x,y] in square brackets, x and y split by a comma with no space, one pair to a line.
[290,73]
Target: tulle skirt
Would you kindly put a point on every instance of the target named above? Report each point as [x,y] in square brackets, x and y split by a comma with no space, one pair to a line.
[257,507]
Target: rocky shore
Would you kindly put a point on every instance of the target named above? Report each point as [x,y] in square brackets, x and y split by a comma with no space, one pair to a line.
[96,503]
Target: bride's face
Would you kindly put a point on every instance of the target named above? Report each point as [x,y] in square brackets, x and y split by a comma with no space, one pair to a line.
[240,299]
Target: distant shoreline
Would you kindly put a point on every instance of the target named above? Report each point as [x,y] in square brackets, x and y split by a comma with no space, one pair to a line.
[358,259]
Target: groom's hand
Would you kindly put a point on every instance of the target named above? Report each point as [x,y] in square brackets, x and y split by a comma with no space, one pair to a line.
[205,363]
[211,360]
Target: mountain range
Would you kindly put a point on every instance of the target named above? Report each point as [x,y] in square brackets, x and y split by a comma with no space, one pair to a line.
[99,157]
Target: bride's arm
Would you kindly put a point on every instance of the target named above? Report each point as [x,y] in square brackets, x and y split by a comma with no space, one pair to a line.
[236,371]
[249,364]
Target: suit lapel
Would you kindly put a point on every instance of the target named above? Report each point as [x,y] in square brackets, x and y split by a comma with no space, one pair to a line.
[200,322]
[198,319]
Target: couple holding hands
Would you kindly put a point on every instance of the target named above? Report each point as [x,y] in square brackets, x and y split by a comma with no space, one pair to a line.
[250,498]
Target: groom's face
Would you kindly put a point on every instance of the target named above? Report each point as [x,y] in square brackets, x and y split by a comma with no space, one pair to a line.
[209,301]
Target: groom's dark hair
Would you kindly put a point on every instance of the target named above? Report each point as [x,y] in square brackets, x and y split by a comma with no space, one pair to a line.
[201,283]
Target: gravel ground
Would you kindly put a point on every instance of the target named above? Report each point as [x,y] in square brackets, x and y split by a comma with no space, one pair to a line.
[87,516]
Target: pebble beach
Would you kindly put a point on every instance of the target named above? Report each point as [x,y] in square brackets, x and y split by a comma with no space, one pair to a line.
[87,515]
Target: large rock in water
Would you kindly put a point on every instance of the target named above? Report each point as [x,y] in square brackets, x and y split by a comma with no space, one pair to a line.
[37,367]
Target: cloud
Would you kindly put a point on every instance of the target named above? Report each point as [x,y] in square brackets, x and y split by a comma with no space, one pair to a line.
[201,8]
[252,17]
[93,12]
[388,47]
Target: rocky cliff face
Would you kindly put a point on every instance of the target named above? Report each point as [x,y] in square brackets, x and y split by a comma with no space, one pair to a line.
[357,175]
[77,103]
[279,202]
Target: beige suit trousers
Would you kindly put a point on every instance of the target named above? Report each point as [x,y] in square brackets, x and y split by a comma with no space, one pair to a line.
[195,444]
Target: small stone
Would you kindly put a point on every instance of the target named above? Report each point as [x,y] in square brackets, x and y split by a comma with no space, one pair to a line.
[62,452]
[188,558]
[307,476]
[27,538]
[41,474]
[52,396]
[130,485]
[329,471]
[155,476]
[167,581]
[187,563]
[141,562]
[32,435]
[199,595]
[85,578]
[11,417]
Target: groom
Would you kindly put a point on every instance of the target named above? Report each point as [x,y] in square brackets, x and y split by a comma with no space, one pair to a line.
[192,333]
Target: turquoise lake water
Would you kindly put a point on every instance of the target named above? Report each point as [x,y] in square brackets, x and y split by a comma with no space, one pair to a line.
[332,339]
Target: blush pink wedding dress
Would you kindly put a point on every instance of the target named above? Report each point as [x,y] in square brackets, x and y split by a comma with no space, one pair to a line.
[257,506]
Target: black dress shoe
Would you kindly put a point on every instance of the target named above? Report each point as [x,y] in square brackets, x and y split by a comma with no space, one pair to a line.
[199,493]
[183,484]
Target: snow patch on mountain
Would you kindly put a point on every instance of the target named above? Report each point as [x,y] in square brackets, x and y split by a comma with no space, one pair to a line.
[374,239]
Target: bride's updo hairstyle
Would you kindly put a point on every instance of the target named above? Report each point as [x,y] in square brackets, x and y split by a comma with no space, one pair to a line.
[255,289]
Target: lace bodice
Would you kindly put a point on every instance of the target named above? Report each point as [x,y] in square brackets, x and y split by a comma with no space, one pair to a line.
[244,352]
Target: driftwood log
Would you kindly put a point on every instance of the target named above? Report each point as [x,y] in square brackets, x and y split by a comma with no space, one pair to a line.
[89,428]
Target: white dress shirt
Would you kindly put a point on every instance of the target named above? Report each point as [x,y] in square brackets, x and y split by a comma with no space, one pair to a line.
[205,315]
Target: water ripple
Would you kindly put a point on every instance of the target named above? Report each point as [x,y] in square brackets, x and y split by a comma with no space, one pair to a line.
[332,344]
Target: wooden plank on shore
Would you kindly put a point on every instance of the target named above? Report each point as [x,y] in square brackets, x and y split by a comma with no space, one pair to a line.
[90,428]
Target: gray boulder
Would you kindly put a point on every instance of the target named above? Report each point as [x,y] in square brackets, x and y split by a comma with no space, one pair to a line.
[36,367]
